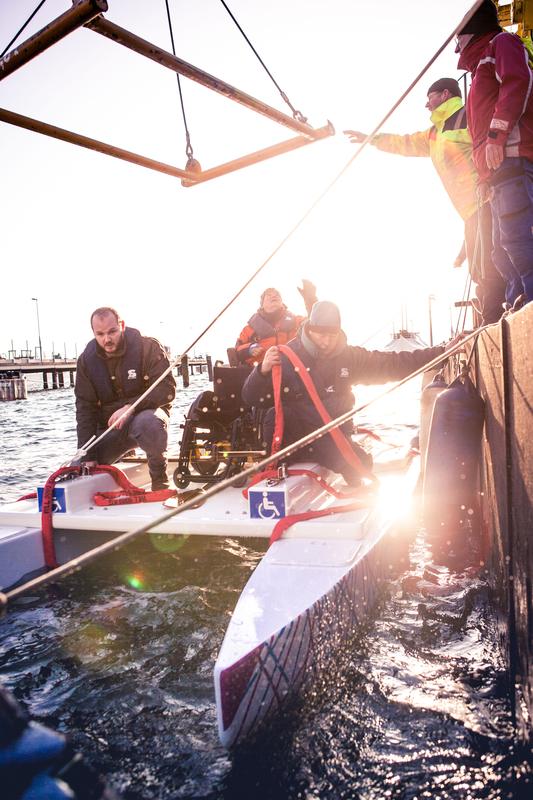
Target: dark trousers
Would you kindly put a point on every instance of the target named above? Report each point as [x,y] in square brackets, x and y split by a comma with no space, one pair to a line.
[511,200]
[147,430]
[324,451]
[490,286]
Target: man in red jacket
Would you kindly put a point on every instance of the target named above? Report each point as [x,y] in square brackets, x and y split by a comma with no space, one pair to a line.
[500,120]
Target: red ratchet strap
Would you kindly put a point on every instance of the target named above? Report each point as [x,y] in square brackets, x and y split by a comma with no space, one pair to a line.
[128,492]
[272,474]
[286,522]
[124,497]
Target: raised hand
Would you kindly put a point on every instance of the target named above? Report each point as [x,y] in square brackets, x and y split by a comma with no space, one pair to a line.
[355,137]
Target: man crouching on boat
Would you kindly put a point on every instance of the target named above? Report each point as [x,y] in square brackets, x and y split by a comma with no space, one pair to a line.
[115,368]
[333,366]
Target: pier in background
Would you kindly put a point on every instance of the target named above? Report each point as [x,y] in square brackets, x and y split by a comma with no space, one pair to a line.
[57,373]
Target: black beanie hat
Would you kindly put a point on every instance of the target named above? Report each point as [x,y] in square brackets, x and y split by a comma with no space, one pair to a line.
[484,20]
[446,83]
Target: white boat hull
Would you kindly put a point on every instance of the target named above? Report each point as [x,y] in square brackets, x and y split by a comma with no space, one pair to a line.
[304,600]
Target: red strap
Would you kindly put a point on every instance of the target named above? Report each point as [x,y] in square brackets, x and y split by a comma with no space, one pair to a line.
[279,419]
[370,433]
[47,511]
[48,496]
[30,496]
[125,497]
[286,522]
[336,434]
[270,474]
[128,493]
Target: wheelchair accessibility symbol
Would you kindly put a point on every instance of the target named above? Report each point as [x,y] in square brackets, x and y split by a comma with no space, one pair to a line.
[59,503]
[267,505]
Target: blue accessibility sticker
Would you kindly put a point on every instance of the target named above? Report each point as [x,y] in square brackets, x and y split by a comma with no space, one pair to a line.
[267,505]
[59,501]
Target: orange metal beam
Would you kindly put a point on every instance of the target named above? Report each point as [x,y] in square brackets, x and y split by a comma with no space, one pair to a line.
[92,144]
[260,155]
[77,16]
[188,178]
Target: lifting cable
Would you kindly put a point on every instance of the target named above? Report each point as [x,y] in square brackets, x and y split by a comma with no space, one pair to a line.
[124,538]
[95,440]
[16,36]
[296,114]
[188,145]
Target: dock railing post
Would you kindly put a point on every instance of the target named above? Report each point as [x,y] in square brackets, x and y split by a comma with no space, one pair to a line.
[185,370]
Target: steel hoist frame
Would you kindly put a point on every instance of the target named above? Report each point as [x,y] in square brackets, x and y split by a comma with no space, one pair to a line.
[89,14]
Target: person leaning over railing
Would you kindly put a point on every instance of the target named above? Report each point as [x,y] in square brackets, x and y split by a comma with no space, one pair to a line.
[500,121]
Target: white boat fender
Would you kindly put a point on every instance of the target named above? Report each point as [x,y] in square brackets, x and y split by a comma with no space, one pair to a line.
[427,401]
[452,461]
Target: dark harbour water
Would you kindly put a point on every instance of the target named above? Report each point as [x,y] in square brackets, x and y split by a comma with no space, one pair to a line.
[415,709]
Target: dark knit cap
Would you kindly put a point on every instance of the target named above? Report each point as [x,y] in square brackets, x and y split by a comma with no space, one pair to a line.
[325,317]
[484,20]
[446,83]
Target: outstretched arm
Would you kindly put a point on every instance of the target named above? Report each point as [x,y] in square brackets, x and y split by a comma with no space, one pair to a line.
[409,144]
[308,292]
[356,137]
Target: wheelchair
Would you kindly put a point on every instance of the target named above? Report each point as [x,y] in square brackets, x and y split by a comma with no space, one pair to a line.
[221,436]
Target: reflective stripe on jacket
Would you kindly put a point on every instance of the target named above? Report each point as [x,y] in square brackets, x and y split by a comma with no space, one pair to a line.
[500,102]
[449,146]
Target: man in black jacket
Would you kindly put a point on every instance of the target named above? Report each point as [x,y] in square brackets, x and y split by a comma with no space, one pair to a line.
[116,368]
[333,366]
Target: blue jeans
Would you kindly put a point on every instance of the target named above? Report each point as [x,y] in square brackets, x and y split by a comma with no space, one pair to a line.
[147,430]
[511,201]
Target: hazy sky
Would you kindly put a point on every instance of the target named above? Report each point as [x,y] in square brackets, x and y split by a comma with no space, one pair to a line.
[80,229]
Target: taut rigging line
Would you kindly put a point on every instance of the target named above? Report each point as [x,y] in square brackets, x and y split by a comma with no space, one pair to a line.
[92,442]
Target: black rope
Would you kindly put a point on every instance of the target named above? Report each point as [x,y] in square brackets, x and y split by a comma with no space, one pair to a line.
[16,36]
[188,146]
[296,114]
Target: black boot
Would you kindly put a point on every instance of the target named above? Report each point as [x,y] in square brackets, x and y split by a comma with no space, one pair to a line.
[159,480]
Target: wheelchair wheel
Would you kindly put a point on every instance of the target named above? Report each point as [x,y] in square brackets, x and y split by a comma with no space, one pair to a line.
[181,478]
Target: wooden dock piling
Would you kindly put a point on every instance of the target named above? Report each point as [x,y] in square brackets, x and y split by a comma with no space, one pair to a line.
[13,389]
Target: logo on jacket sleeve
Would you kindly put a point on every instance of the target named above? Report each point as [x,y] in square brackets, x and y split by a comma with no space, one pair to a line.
[132,375]
[345,373]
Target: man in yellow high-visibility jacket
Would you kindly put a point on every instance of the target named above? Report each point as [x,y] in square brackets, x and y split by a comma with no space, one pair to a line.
[447,142]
